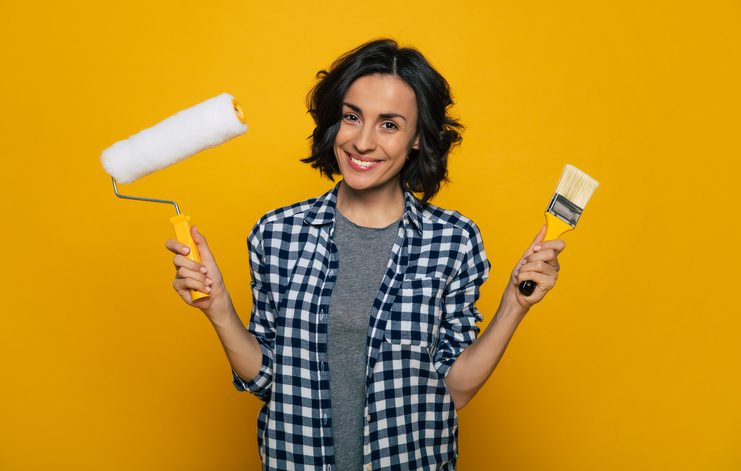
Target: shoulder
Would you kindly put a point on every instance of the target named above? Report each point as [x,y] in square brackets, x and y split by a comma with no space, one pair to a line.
[284,217]
[450,232]
[449,220]
[295,211]
[286,220]
[450,228]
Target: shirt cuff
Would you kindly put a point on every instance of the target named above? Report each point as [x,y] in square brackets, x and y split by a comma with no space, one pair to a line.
[261,384]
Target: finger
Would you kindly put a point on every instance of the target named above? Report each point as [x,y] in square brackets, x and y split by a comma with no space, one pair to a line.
[183,272]
[549,256]
[190,283]
[539,266]
[544,282]
[202,245]
[556,244]
[540,235]
[536,241]
[177,247]
[546,254]
[183,261]
[183,287]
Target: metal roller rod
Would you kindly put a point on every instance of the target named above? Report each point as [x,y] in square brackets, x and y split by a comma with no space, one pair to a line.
[139,198]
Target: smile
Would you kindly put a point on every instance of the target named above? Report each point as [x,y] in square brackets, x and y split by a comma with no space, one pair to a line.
[360,164]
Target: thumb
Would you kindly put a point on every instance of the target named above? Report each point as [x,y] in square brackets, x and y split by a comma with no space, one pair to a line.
[201,243]
[540,236]
[538,239]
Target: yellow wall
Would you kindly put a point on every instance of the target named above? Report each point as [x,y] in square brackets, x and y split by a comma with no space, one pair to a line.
[632,362]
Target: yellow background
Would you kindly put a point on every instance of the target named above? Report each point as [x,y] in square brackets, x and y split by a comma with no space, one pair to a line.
[632,362]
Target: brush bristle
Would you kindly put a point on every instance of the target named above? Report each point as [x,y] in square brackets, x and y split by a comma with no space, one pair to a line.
[576,186]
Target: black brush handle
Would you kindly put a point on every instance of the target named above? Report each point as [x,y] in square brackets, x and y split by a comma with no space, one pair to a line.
[527,287]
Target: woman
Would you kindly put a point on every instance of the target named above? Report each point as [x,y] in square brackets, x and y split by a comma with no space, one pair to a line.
[362,338]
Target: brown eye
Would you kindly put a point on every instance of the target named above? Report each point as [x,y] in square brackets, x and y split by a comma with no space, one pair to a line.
[389,125]
[350,117]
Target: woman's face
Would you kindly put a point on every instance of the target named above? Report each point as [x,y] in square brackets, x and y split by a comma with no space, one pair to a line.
[377,131]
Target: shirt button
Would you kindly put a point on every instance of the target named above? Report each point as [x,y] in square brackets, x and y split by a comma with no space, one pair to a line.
[368,418]
[331,273]
[325,419]
[368,467]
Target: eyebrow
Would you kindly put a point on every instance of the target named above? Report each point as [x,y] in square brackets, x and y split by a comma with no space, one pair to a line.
[382,115]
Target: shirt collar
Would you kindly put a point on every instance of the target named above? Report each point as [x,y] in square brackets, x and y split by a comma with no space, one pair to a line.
[323,210]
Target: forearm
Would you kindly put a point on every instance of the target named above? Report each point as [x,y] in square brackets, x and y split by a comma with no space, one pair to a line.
[476,363]
[240,346]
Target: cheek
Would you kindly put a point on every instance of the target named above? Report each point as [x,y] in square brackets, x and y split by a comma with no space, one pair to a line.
[344,134]
[400,149]
[338,152]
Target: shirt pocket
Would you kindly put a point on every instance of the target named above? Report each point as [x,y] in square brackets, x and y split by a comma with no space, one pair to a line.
[416,313]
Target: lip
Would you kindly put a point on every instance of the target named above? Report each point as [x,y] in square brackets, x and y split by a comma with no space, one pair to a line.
[360,168]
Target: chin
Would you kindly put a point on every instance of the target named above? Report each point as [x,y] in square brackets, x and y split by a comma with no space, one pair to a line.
[357,183]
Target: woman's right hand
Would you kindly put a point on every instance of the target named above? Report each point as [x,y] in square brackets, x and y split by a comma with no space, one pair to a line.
[205,277]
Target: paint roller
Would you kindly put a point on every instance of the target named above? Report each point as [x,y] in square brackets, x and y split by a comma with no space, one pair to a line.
[183,134]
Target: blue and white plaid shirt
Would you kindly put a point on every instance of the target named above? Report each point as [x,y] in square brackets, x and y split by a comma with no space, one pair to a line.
[421,320]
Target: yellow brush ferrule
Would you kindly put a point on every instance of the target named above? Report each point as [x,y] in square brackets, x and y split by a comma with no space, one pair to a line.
[182,233]
[555,227]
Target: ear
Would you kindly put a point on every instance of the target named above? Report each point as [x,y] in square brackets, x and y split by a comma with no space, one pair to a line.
[415,145]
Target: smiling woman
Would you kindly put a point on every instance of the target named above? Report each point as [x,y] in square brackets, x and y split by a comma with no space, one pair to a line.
[362,338]
[416,99]
[373,144]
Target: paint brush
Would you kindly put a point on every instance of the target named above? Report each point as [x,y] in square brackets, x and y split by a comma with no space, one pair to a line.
[572,193]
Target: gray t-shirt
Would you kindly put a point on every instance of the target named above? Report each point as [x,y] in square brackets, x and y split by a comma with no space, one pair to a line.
[363,254]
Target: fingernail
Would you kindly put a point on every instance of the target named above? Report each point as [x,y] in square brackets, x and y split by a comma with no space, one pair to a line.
[208,288]
[203,269]
[186,250]
[537,247]
[208,280]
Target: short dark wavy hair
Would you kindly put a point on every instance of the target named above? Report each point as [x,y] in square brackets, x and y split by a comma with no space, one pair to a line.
[427,168]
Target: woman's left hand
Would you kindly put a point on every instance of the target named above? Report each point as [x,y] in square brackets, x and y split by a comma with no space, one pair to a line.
[540,264]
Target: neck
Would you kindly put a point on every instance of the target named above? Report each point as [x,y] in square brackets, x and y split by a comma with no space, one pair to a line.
[377,207]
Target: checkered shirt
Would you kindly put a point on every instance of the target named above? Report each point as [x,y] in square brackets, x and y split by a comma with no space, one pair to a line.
[422,318]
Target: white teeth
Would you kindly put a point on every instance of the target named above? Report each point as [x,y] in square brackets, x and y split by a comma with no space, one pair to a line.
[362,163]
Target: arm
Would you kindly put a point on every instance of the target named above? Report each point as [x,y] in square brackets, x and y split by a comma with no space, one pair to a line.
[473,367]
[241,347]
[249,351]
[476,363]
[258,379]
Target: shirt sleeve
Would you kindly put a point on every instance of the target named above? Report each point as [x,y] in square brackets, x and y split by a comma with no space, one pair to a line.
[262,320]
[458,328]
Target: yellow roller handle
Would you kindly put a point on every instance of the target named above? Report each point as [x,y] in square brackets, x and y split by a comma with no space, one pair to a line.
[554,229]
[182,233]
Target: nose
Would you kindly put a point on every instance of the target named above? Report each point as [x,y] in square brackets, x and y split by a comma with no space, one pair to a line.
[365,141]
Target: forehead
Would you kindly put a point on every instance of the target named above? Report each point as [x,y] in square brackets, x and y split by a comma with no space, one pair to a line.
[382,94]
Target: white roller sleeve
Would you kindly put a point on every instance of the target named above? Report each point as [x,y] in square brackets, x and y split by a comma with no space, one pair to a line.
[183,134]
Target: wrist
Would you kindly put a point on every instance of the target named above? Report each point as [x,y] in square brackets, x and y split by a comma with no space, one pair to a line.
[510,307]
[221,308]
